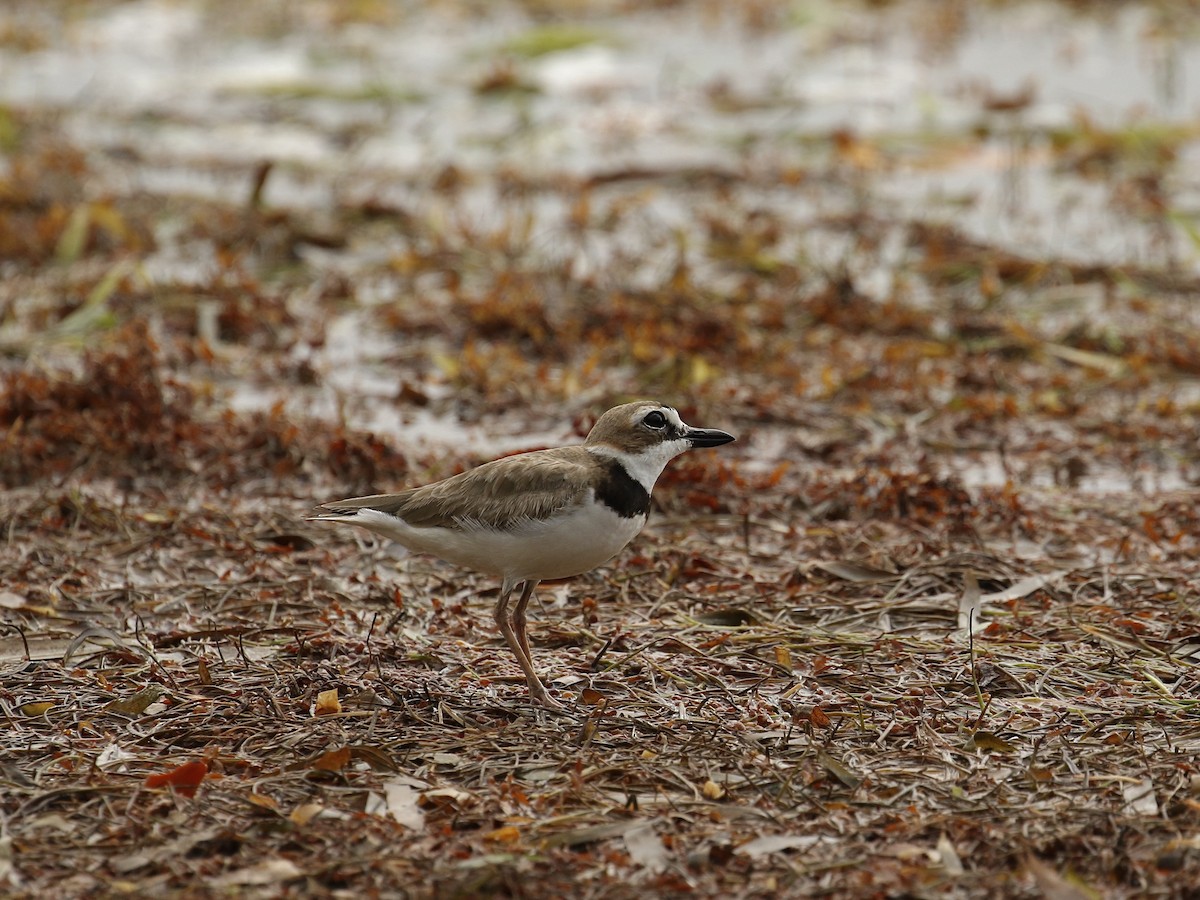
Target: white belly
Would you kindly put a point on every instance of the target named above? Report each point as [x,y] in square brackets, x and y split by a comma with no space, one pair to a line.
[539,550]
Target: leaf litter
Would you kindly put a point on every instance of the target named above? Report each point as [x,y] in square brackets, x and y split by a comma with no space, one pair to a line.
[928,628]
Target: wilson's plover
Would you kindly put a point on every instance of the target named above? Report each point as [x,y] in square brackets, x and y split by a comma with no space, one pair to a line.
[541,515]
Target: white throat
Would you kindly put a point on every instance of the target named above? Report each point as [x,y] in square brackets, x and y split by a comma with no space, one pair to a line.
[646,466]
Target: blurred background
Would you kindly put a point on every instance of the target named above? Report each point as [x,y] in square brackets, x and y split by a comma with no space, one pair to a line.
[927,628]
[421,218]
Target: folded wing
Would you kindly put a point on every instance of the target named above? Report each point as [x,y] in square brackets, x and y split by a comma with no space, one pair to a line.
[498,494]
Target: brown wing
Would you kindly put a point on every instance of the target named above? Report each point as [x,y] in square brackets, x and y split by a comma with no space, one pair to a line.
[528,485]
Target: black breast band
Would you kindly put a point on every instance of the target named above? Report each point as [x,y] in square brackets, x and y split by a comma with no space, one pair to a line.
[621,492]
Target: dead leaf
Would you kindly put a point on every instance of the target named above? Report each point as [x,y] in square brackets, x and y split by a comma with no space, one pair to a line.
[269,871]
[712,790]
[591,697]
[776,843]
[11,776]
[587,732]
[91,635]
[39,648]
[859,573]
[158,853]
[37,708]
[404,804]
[185,779]
[579,837]
[506,834]
[447,793]
[907,852]
[992,678]
[819,718]
[332,761]
[1023,588]
[645,848]
[367,698]
[949,856]
[114,755]
[136,704]
[969,606]
[1140,799]
[992,743]
[9,600]
[838,769]
[1054,887]
[1110,365]
[305,813]
[263,801]
[375,757]
[327,703]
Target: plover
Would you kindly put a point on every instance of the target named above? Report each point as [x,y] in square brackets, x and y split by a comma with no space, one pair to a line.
[536,516]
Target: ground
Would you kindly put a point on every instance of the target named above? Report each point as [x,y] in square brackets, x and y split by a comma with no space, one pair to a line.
[928,628]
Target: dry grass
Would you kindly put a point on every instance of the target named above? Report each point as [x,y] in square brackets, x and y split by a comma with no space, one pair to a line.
[930,628]
[777,697]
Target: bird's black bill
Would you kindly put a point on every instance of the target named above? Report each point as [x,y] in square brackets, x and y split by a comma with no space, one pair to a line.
[708,437]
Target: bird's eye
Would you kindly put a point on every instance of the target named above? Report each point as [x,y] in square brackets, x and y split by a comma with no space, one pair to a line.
[655,419]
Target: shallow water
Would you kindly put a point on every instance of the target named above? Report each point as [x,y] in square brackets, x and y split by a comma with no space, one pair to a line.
[197,89]
[948,114]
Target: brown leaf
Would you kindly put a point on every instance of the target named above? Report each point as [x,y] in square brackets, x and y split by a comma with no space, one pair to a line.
[263,801]
[838,769]
[996,680]
[992,743]
[375,757]
[591,697]
[137,704]
[579,837]
[184,779]
[332,761]
[327,703]
[305,813]
[507,834]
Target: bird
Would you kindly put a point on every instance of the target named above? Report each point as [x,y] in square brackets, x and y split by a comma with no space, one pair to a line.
[537,516]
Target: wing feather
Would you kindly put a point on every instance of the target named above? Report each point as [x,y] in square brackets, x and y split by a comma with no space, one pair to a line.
[522,487]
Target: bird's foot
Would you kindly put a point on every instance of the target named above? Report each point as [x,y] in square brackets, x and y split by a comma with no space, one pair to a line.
[540,696]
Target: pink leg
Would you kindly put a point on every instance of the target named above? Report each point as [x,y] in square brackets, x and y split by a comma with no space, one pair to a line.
[515,635]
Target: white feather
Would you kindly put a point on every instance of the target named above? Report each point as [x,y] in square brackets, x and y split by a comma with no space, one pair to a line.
[559,547]
[647,464]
